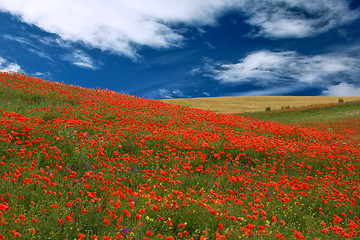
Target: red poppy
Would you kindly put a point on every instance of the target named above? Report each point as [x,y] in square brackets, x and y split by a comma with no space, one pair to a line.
[106,221]
[61,221]
[221,226]
[81,236]
[127,213]
[68,218]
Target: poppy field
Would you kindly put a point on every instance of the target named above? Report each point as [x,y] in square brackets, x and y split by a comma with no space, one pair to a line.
[79,163]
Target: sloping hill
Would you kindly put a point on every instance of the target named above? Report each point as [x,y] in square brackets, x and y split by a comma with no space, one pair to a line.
[94,164]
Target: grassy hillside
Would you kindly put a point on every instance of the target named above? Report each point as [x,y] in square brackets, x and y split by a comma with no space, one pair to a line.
[235,105]
[342,119]
[327,112]
[79,163]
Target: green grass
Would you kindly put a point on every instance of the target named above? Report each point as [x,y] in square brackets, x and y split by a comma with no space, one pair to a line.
[329,112]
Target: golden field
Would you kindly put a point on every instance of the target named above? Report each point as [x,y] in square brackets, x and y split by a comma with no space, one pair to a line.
[233,105]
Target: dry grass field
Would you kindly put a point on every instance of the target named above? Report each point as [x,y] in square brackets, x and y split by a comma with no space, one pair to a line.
[233,105]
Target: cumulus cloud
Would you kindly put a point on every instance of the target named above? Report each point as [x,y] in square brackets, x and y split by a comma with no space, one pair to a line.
[6,66]
[297,18]
[118,26]
[264,68]
[342,89]
[122,26]
[81,59]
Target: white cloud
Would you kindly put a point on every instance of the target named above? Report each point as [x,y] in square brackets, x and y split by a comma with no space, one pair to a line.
[20,40]
[342,89]
[266,68]
[81,59]
[272,91]
[297,18]
[165,93]
[195,71]
[41,54]
[32,47]
[262,65]
[43,75]
[122,26]
[118,26]
[6,66]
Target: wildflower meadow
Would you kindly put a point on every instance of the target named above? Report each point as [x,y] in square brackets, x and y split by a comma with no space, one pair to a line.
[79,163]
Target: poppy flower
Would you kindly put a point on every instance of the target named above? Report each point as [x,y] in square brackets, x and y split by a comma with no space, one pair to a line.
[221,226]
[106,221]
[127,213]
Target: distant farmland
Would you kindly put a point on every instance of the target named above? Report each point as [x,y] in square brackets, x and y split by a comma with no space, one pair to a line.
[234,105]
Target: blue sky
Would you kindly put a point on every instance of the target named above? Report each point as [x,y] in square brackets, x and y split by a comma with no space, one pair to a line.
[187,48]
